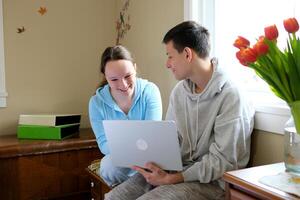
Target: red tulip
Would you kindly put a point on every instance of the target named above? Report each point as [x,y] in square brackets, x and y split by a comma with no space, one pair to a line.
[249,55]
[261,48]
[261,38]
[246,56]
[240,58]
[271,32]
[241,42]
[291,25]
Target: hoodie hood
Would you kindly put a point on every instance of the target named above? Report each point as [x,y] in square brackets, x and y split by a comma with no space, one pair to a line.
[213,87]
[103,93]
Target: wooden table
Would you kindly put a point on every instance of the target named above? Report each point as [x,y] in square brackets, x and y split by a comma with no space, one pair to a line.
[243,184]
[46,169]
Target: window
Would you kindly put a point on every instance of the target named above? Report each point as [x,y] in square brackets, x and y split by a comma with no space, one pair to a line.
[225,21]
[3,93]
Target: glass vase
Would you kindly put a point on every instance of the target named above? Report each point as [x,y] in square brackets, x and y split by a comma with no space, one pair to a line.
[292,140]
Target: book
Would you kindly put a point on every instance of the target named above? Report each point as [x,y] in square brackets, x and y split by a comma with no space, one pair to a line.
[49,120]
[47,132]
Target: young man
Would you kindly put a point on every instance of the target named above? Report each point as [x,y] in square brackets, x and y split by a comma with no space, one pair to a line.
[213,119]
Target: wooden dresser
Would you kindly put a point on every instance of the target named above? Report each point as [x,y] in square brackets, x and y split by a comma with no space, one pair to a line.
[46,169]
[244,184]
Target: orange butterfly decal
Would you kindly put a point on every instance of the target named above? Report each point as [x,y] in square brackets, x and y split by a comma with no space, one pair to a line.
[21,29]
[42,10]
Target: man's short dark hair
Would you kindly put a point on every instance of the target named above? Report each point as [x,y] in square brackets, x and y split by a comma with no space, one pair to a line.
[189,34]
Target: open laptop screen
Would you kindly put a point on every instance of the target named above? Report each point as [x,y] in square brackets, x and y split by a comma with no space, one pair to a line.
[136,142]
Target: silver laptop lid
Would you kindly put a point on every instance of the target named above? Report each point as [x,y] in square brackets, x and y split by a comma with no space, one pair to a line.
[136,142]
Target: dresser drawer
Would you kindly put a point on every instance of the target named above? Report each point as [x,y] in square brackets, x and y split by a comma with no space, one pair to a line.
[98,187]
[95,189]
[238,195]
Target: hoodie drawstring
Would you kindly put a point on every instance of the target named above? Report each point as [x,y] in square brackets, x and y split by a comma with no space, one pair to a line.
[197,122]
[192,147]
[104,108]
[186,128]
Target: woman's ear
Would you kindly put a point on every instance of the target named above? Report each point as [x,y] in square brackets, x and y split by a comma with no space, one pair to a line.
[134,65]
[188,53]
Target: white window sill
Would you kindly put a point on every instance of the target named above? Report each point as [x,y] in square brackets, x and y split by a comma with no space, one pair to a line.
[271,118]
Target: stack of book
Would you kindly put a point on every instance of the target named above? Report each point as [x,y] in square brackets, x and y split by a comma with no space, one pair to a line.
[54,127]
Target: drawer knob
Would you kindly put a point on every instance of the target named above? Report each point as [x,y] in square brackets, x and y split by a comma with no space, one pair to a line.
[92,184]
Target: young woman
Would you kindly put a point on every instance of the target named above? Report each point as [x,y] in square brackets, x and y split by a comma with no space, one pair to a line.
[121,96]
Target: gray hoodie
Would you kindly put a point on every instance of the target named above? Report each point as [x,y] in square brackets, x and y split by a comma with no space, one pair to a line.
[214,127]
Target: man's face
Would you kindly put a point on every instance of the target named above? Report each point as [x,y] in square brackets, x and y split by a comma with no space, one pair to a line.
[177,62]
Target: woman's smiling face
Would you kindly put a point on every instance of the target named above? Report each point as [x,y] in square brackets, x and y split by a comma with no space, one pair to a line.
[121,76]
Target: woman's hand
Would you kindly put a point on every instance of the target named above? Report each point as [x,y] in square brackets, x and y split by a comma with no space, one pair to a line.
[157,176]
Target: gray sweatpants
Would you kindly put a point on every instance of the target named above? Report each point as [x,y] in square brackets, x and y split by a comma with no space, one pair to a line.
[136,187]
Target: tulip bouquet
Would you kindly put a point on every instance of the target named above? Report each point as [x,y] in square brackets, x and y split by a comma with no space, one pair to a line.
[279,68]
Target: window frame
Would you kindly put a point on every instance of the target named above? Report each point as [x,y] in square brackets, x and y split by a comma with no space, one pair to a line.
[3,93]
[268,117]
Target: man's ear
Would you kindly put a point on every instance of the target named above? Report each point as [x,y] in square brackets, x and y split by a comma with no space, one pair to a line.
[188,53]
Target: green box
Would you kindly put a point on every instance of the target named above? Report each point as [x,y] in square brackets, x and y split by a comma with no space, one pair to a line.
[47,132]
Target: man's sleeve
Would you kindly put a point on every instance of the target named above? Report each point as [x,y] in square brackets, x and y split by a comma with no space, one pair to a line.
[231,147]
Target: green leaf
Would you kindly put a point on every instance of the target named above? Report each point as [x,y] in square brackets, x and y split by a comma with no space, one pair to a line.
[273,83]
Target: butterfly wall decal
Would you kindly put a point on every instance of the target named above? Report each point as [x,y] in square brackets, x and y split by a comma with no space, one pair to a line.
[21,29]
[42,10]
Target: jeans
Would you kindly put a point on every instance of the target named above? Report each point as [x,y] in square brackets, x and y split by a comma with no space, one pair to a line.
[113,175]
[136,187]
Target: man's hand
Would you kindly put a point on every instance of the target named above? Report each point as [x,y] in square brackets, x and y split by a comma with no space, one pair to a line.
[157,176]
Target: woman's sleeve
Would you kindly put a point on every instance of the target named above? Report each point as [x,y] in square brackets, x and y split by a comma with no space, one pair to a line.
[153,103]
[96,118]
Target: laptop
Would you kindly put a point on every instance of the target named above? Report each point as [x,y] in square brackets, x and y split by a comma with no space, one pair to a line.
[136,142]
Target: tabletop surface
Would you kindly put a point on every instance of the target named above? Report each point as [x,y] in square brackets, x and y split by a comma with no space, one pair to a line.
[249,178]
[11,146]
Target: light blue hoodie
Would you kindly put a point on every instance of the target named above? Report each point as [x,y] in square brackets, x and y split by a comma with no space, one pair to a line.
[146,106]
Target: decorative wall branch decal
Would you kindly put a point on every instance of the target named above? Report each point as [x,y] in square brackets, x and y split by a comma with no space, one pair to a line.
[122,24]
[42,10]
[21,29]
